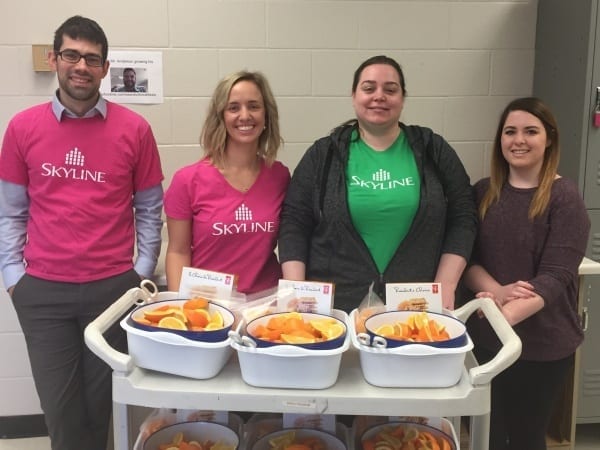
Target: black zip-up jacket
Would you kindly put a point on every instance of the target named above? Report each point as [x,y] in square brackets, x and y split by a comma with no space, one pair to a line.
[316,227]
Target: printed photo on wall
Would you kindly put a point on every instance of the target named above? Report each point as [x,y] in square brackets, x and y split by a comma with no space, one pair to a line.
[134,77]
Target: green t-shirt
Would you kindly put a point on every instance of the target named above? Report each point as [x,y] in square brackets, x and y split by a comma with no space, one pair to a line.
[383,195]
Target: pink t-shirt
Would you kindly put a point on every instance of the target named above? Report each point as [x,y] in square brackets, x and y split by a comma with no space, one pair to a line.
[81,175]
[232,232]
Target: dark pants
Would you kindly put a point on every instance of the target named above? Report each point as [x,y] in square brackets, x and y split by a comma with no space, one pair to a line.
[74,385]
[523,397]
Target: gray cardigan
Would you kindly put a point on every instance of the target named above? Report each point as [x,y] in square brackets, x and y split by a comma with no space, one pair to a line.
[316,227]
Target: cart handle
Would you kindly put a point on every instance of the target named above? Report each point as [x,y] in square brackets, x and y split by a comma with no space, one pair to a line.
[511,344]
[93,334]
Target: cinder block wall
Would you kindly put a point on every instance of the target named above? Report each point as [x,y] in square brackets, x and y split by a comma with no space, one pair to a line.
[463,61]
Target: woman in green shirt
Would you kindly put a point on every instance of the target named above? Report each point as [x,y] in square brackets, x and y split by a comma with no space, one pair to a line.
[377,200]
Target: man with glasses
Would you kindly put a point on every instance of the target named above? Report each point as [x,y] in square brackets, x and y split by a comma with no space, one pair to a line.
[80,184]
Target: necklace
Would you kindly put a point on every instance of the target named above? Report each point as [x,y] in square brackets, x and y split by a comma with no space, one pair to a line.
[241,178]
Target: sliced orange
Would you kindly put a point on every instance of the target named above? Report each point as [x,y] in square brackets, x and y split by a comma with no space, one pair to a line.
[283,440]
[154,315]
[196,303]
[212,326]
[144,321]
[433,443]
[293,339]
[424,334]
[293,315]
[178,313]
[329,329]
[301,333]
[421,320]
[405,330]
[197,317]
[272,335]
[385,330]
[445,444]
[217,319]
[292,323]
[172,323]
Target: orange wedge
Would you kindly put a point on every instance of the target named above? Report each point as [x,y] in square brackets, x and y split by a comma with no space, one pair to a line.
[385,330]
[213,326]
[178,313]
[196,303]
[172,323]
[217,319]
[154,315]
[197,317]
[143,321]
[329,329]
[293,339]
[445,444]
[433,443]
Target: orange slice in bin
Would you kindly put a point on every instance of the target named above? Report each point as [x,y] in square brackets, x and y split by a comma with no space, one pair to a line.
[196,303]
[217,319]
[293,339]
[197,317]
[385,330]
[433,443]
[143,321]
[154,315]
[212,326]
[172,323]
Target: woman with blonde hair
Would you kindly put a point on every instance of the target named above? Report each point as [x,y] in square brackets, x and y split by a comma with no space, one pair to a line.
[223,211]
[532,236]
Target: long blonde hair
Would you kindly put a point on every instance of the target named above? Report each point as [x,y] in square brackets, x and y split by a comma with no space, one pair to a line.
[213,137]
[500,169]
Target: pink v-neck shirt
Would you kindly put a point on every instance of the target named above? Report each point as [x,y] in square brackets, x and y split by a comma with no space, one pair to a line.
[81,175]
[232,232]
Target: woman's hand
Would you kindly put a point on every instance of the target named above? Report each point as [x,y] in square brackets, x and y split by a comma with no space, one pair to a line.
[514,291]
[514,311]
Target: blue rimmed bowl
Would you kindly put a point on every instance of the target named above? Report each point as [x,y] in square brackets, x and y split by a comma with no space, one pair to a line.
[218,335]
[200,432]
[455,328]
[329,344]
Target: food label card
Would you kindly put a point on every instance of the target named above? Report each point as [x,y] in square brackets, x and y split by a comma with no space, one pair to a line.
[205,283]
[311,296]
[413,297]
[325,422]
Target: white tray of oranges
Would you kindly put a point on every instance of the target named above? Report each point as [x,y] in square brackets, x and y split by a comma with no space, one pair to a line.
[175,347]
[291,366]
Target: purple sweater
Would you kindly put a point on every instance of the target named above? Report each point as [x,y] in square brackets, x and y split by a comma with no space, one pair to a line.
[547,253]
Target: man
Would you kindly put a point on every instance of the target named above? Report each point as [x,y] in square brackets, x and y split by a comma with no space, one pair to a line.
[129,80]
[80,181]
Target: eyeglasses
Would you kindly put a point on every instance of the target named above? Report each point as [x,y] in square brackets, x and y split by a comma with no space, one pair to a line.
[73,57]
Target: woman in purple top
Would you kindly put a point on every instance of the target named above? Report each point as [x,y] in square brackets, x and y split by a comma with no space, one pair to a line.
[532,237]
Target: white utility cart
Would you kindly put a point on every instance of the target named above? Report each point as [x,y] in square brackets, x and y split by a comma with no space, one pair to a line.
[351,394]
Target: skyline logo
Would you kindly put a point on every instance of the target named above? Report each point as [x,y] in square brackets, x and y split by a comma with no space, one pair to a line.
[381,180]
[74,158]
[243,224]
[73,169]
[381,175]
[243,213]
